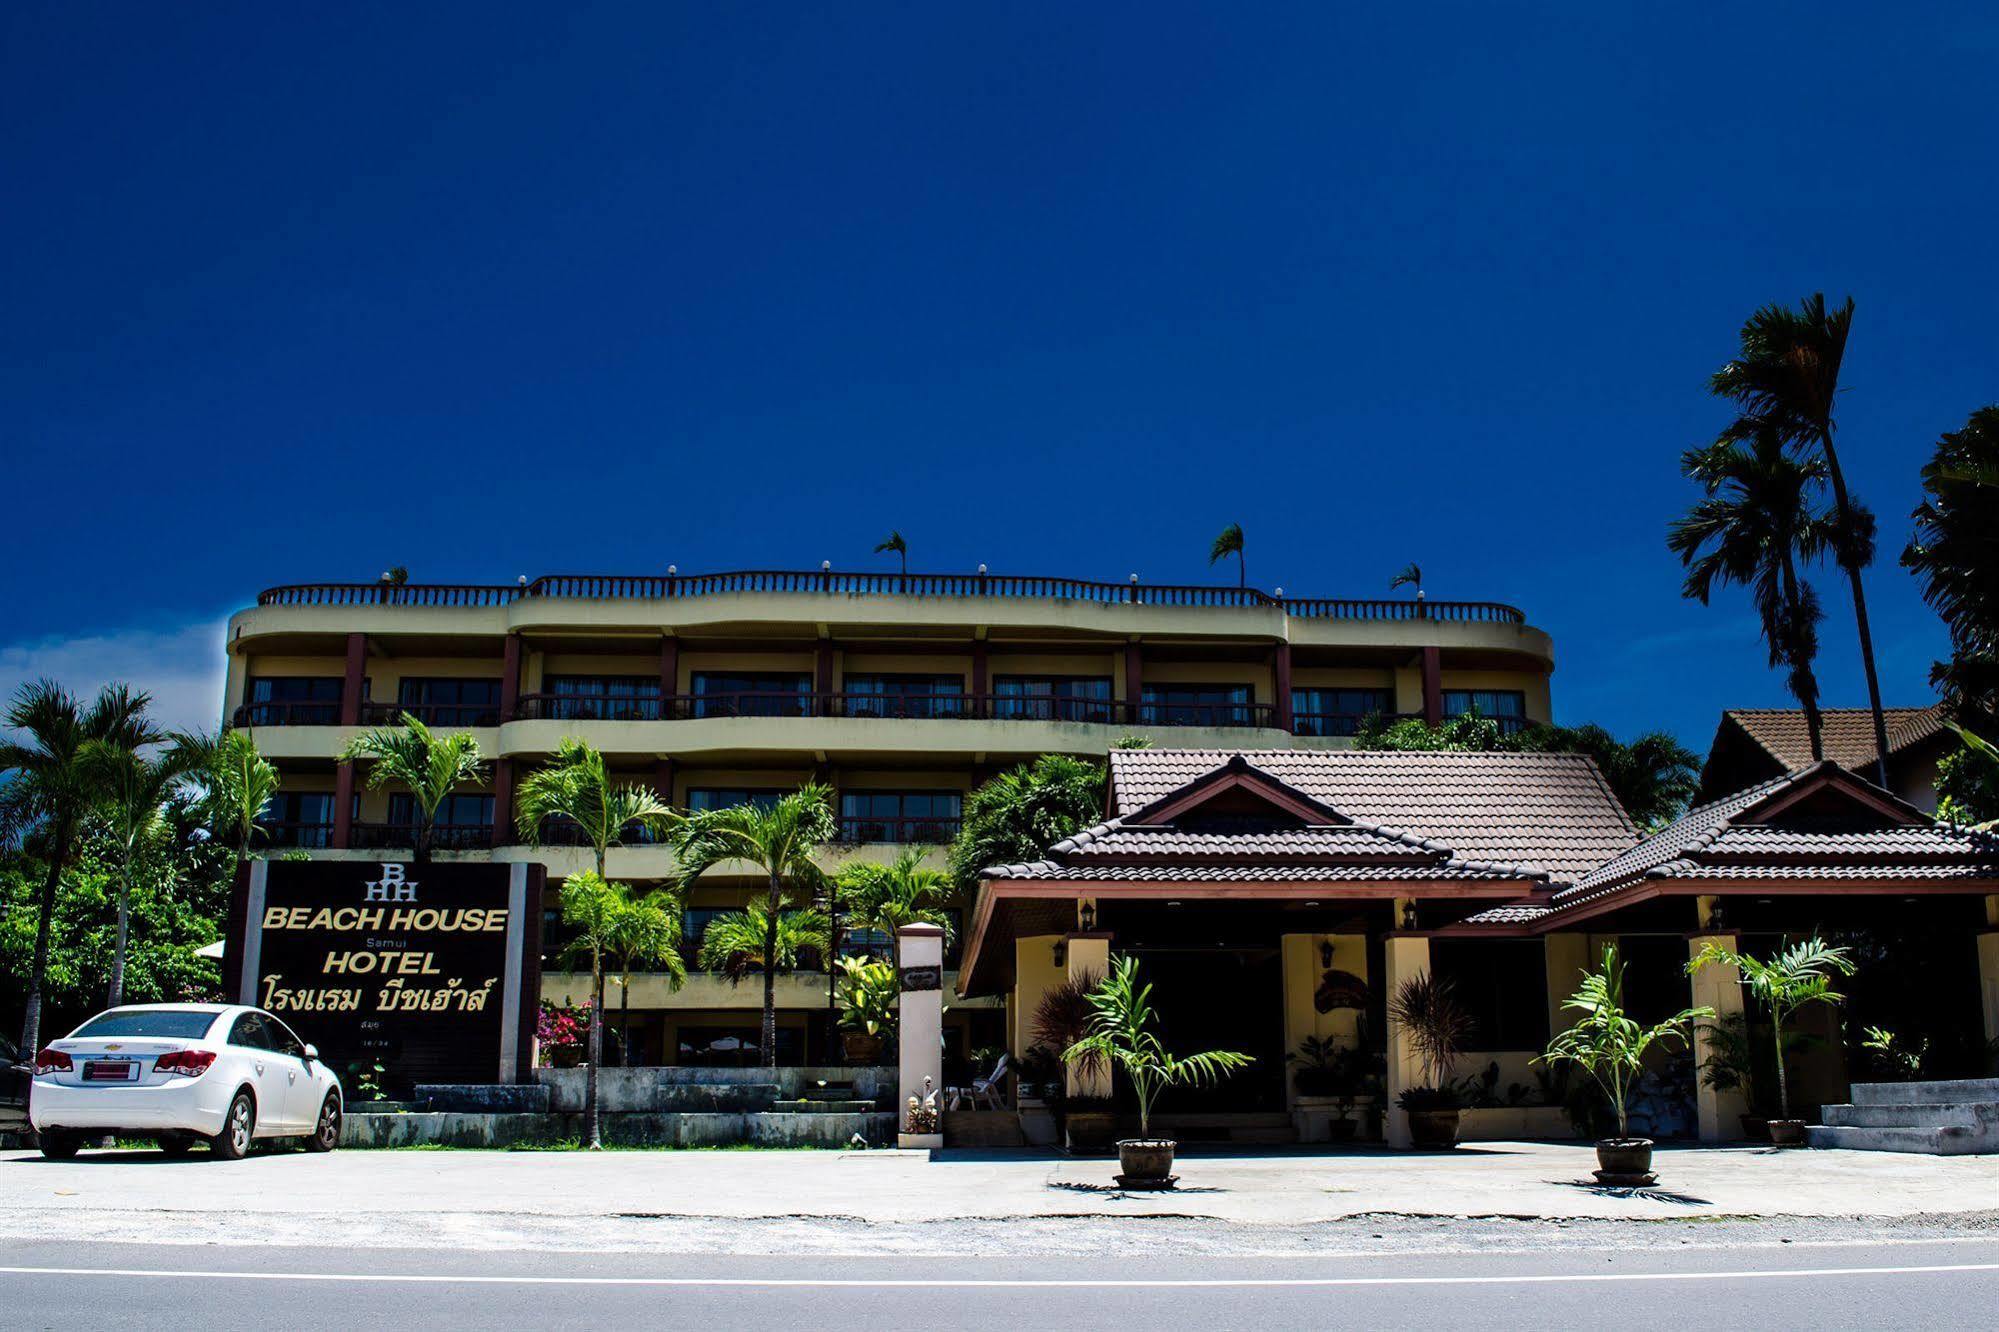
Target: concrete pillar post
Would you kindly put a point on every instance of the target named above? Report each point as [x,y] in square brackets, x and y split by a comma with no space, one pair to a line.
[1433,685]
[920,1032]
[503,802]
[1567,958]
[510,678]
[1402,957]
[350,684]
[1718,987]
[1089,962]
[669,674]
[1281,674]
[343,804]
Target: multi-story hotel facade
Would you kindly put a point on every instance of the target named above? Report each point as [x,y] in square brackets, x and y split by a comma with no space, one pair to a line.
[899,692]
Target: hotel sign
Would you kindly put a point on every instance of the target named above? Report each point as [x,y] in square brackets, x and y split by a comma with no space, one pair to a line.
[423,969]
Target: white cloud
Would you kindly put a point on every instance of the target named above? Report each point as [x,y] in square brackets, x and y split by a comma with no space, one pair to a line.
[181,667]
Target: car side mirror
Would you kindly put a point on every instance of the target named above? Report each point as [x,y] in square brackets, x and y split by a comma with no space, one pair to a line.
[311,1053]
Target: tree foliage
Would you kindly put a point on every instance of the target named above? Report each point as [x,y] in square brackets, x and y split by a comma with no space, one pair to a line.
[1018,815]
[1955,555]
[884,898]
[430,766]
[1608,1043]
[1121,1032]
[1800,975]
[576,787]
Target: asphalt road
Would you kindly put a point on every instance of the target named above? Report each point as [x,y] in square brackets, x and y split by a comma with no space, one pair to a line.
[1911,1284]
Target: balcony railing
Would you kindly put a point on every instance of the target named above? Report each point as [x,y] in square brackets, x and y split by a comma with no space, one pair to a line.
[431,714]
[933,831]
[896,707]
[566,832]
[287,714]
[443,837]
[309,836]
[673,587]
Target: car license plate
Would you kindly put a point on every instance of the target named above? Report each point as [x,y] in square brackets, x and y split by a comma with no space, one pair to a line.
[109,1070]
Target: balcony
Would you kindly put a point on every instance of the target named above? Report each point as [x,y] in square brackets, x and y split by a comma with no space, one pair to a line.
[916,831]
[450,715]
[286,714]
[302,836]
[443,837]
[891,707]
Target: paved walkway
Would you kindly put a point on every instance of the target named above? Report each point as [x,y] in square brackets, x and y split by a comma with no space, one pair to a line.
[1282,1187]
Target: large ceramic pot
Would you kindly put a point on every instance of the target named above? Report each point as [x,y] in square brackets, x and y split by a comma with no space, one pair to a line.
[1144,1161]
[1755,1128]
[1089,1132]
[1787,1132]
[860,1047]
[1624,1156]
[1434,1129]
[566,1056]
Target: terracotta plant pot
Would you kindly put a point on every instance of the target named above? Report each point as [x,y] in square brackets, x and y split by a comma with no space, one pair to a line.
[1434,1129]
[1145,1162]
[1787,1132]
[1624,1157]
[1090,1132]
[566,1056]
[860,1047]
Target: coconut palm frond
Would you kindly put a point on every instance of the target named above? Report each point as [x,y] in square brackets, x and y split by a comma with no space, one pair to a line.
[737,943]
[1411,576]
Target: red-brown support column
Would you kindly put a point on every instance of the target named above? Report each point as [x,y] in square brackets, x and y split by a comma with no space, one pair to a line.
[1134,678]
[980,679]
[669,674]
[343,805]
[662,780]
[510,678]
[350,687]
[503,802]
[1284,686]
[822,678]
[1433,686]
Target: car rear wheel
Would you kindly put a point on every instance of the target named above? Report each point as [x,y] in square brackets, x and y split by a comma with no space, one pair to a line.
[176,1144]
[59,1146]
[326,1133]
[233,1143]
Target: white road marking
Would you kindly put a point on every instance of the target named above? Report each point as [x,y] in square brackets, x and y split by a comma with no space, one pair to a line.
[959,1283]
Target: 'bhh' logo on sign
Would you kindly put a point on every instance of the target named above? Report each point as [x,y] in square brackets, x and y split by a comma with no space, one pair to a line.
[391,887]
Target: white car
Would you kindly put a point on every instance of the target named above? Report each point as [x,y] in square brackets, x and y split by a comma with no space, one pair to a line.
[178,1072]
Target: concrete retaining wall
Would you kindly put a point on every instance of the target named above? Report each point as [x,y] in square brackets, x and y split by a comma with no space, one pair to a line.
[454,1129]
[641,1090]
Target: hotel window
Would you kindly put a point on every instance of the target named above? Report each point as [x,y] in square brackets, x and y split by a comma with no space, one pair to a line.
[1197,705]
[736,1047]
[294,700]
[694,922]
[466,810]
[752,694]
[1077,698]
[602,697]
[446,702]
[921,696]
[899,816]
[299,818]
[1337,711]
[1503,983]
[728,797]
[1508,707]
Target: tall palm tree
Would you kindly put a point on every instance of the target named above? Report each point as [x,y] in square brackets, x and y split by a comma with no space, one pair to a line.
[884,898]
[133,788]
[894,542]
[1752,529]
[577,787]
[1785,378]
[1955,555]
[602,914]
[737,942]
[1227,544]
[645,936]
[432,766]
[237,784]
[51,788]
[782,840]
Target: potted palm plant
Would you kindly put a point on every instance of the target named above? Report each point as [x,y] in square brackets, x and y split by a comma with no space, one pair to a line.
[1609,1044]
[869,992]
[1061,1020]
[1800,975]
[1427,1010]
[1121,1032]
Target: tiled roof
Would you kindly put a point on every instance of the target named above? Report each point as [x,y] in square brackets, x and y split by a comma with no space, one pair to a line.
[1847,733]
[1551,812]
[1707,843]
[1507,915]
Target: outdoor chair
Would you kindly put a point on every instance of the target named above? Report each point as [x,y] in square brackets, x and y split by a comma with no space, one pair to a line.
[991,1089]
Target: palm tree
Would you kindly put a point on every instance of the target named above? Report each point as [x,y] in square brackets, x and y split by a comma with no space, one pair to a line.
[1411,576]
[884,898]
[1800,975]
[1784,378]
[133,789]
[1754,526]
[781,839]
[432,766]
[52,788]
[577,787]
[1021,813]
[1227,544]
[238,782]
[894,542]
[1955,553]
[597,911]
[737,942]
[644,936]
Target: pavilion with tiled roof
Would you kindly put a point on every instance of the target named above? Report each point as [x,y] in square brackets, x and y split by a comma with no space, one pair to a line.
[1230,874]
[1752,745]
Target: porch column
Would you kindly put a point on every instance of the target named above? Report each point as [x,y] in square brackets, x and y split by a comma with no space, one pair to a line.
[1567,958]
[1089,962]
[1433,685]
[1402,956]
[1718,987]
[920,1024]
[1283,683]
[1988,968]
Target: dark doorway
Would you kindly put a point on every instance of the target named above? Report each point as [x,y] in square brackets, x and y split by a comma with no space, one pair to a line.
[1219,999]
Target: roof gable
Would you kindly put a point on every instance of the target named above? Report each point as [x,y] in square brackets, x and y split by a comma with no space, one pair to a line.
[1237,787]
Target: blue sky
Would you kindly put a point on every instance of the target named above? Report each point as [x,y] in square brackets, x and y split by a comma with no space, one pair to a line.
[513,289]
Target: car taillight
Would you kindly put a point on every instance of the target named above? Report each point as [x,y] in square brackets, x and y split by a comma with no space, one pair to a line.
[51,1060]
[185,1063]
